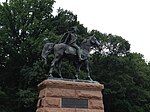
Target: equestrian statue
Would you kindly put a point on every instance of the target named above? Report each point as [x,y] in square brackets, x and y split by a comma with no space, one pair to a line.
[68,48]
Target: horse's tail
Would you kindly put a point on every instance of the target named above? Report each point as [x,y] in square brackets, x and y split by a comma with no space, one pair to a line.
[48,48]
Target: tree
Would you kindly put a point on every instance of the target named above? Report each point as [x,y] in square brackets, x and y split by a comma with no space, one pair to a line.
[22,30]
[25,25]
[112,44]
[126,81]
[64,20]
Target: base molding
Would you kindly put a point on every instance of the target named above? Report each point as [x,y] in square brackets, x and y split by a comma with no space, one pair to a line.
[83,96]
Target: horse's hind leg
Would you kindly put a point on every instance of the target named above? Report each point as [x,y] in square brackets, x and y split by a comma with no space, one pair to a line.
[53,64]
[44,58]
[59,68]
[52,67]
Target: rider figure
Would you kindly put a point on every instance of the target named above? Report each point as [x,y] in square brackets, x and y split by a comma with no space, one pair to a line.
[70,38]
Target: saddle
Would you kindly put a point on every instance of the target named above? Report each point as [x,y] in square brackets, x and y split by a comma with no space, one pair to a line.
[72,51]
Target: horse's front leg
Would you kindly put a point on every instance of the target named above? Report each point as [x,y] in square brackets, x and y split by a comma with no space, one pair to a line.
[53,64]
[52,67]
[78,66]
[77,72]
[56,61]
[88,70]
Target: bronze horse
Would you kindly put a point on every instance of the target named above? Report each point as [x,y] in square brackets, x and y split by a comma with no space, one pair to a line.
[62,50]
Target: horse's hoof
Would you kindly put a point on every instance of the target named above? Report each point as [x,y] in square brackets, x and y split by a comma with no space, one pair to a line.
[90,79]
[60,76]
[76,78]
[50,75]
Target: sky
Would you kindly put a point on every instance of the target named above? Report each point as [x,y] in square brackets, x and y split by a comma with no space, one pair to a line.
[129,19]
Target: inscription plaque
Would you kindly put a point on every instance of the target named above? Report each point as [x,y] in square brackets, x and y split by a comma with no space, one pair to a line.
[74,103]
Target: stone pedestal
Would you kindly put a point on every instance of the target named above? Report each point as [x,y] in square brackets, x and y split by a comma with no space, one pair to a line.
[55,95]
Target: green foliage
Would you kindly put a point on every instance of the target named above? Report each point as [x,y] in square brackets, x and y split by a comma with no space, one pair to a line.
[112,44]
[126,82]
[63,21]
[22,32]
[26,25]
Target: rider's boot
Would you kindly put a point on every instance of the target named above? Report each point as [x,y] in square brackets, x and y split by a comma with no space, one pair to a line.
[80,58]
[79,55]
